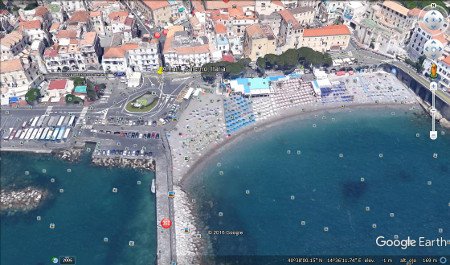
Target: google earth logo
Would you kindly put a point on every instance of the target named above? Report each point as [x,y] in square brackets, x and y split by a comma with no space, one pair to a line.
[54,260]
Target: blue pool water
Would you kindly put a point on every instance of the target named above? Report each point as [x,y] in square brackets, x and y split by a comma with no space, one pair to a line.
[84,214]
[358,175]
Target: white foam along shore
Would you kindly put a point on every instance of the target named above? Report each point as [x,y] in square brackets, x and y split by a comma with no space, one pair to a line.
[189,244]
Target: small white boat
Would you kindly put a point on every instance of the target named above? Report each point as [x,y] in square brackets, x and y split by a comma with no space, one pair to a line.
[153,188]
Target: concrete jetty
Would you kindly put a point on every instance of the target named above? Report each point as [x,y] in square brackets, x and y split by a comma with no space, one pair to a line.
[166,244]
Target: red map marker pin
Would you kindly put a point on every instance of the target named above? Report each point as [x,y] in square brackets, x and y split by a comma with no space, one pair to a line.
[166,223]
[226,1]
[157,35]
[165,31]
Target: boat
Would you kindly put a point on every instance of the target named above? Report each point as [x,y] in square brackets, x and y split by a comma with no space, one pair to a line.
[153,188]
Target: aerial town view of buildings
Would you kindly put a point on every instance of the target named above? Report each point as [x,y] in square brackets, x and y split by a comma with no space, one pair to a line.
[192,74]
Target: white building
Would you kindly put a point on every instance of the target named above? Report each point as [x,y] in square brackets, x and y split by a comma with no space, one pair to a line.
[115,59]
[12,45]
[33,30]
[98,24]
[444,73]
[146,56]
[182,50]
[16,77]
[268,7]
[419,37]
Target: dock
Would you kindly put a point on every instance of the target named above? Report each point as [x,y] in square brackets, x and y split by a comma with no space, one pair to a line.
[166,244]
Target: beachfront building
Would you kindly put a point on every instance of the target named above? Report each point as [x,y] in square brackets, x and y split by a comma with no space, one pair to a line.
[12,45]
[146,56]
[182,50]
[259,40]
[419,37]
[444,73]
[335,37]
[115,58]
[251,86]
[16,77]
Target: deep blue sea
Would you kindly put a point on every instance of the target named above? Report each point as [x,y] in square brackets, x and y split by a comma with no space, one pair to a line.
[84,214]
[328,184]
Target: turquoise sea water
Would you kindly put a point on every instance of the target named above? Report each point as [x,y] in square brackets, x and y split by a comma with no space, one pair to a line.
[266,184]
[84,214]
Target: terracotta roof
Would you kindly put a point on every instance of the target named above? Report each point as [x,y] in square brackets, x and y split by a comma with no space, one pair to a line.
[228,58]
[119,51]
[220,28]
[95,13]
[217,15]
[4,12]
[117,14]
[396,7]
[88,39]
[55,26]
[154,5]
[327,31]
[288,17]
[67,34]
[222,5]
[194,21]
[277,2]
[193,49]
[40,11]
[446,60]
[258,31]
[11,39]
[57,84]
[436,34]
[129,21]
[50,52]
[33,24]
[9,66]
[79,17]
[416,12]
[198,6]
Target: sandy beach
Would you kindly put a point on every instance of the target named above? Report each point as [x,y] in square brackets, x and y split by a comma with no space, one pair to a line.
[201,135]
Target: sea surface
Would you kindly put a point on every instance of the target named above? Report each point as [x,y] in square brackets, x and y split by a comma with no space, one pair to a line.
[328,184]
[84,214]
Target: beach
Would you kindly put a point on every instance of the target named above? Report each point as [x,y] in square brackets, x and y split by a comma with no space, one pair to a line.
[196,142]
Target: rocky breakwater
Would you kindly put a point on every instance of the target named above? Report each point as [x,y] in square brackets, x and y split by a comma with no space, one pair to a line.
[69,155]
[148,163]
[21,200]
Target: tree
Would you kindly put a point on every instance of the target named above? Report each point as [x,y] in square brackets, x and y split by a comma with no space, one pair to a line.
[271,61]
[208,75]
[78,81]
[31,6]
[32,95]
[73,99]
[2,6]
